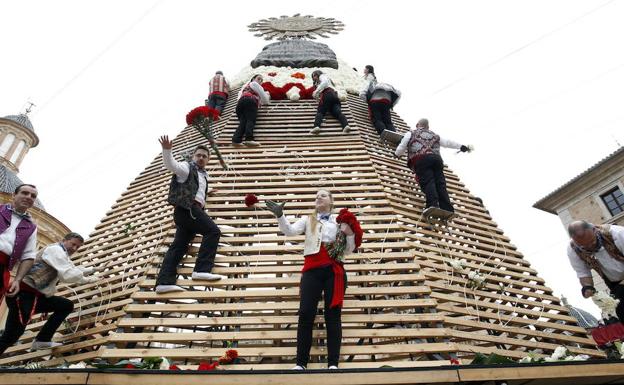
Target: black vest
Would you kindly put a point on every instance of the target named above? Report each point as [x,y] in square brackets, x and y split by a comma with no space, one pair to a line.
[183,194]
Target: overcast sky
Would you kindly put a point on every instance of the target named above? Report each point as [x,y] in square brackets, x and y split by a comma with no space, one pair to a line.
[536,86]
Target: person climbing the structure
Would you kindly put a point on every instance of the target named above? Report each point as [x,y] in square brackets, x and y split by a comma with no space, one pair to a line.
[599,248]
[326,93]
[219,91]
[187,192]
[250,98]
[37,289]
[328,238]
[423,157]
[381,99]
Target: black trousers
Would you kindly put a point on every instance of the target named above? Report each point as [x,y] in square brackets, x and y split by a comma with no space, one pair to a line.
[216,101]
[247,112]
[330,103]
[187,226]
[314,283]
[382,119]
[430,173]
[618,292]
[13,330]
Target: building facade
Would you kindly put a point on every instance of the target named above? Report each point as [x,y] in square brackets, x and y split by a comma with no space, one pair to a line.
[17,137]
[596,196]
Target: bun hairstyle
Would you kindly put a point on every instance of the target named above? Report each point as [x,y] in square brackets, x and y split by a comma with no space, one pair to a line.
[314,214]
[371,70]
[316,74]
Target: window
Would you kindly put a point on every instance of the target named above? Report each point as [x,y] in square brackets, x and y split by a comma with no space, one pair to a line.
[6,144]
[18,151]
[614,200]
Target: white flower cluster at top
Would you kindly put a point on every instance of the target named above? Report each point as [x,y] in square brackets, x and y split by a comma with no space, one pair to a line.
[345,79]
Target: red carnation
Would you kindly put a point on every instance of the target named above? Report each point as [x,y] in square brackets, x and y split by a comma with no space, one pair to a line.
[205,366]
[271,74]
[346,216]
[174,367]
[232,354]
[454,361]
[130,366]
[250,200]
[198,113]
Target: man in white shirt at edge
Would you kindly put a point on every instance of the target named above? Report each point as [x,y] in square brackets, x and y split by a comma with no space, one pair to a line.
[187,192]
[37,289]
[18,239]
[601,248]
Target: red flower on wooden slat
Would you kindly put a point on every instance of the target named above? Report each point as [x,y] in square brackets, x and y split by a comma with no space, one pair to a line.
[231,354]
[205,366]
[250,200]
[130,366]
[174,367]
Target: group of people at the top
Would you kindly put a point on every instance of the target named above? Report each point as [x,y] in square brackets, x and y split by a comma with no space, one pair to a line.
[381,98]
[421,145]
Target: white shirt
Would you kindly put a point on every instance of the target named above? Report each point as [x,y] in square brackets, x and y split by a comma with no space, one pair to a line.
[182,171]
[324,82]
[7,240]
[264,96]
[329,232]
[56,257]
[611,267]
[402,147]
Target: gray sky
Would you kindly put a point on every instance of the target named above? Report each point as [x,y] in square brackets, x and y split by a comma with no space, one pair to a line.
[536,86]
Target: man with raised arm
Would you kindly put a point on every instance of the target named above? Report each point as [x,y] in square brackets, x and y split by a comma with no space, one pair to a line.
[187,192]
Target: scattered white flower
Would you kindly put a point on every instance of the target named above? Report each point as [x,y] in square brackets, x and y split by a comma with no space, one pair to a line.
[458,264]
[79,365]
[293,94]
[559,353]
[164,364]
[475,280]
[606,303]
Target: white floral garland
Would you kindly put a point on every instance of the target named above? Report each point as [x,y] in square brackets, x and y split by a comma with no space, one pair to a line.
[345,79]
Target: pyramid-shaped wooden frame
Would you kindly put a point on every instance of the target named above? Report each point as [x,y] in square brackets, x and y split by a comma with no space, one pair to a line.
[406,305]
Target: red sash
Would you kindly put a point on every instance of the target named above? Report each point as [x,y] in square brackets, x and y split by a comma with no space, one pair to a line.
[322,259]
[6,274]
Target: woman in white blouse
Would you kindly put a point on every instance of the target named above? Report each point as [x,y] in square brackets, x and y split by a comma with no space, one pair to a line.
[322,273]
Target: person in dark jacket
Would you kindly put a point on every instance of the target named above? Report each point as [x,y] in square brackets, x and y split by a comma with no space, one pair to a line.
[423,157]
[187,192]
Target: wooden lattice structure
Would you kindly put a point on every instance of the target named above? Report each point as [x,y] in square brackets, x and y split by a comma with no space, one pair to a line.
[405,305]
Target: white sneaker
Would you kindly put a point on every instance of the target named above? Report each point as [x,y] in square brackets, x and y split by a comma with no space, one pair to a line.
[333,367]
[315,131]
[297,367]
[346,130]
[238,145]
[161,289]
[43,345]
[251,143]
[206,276]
